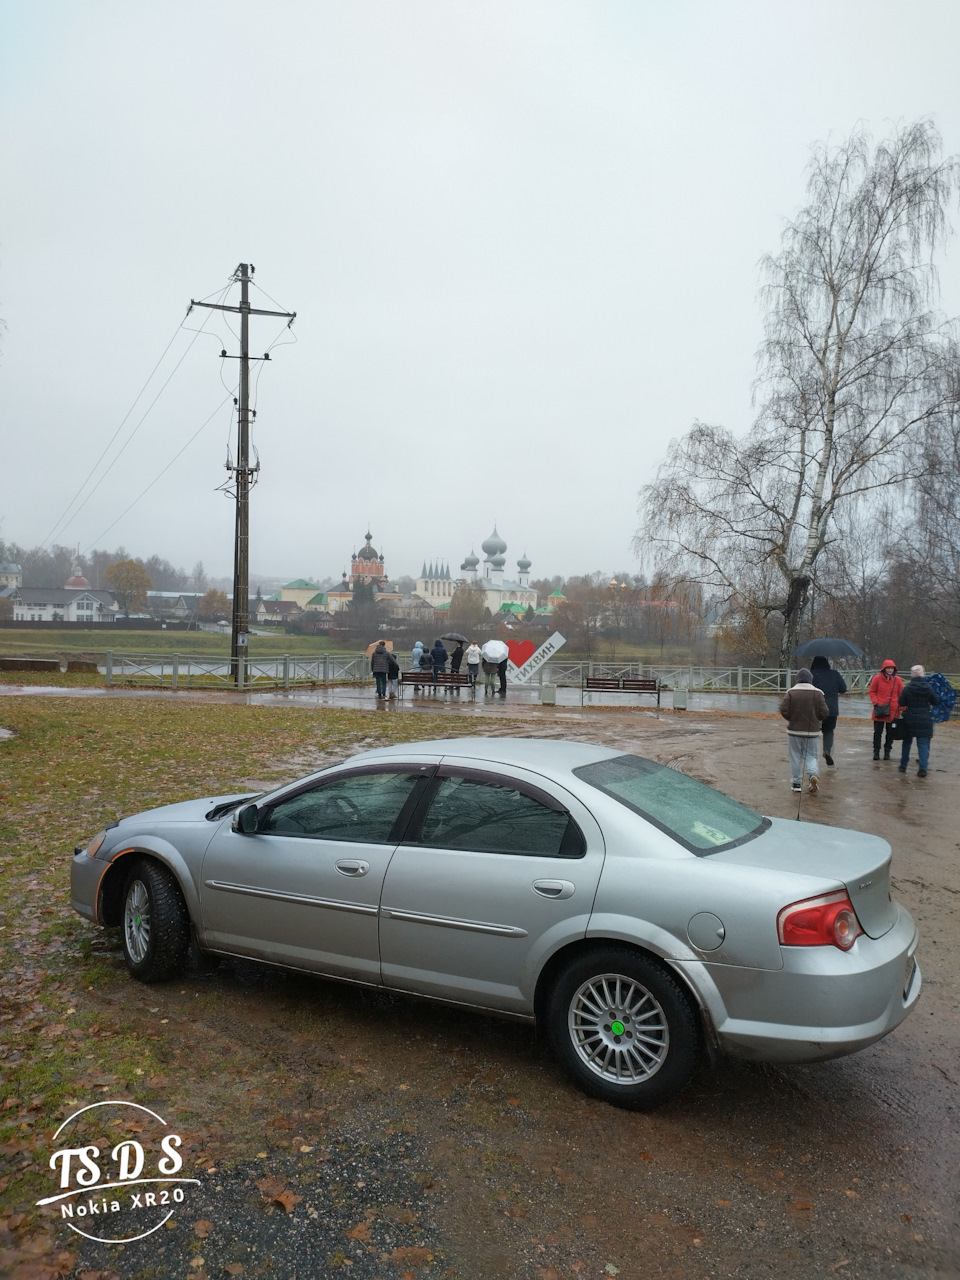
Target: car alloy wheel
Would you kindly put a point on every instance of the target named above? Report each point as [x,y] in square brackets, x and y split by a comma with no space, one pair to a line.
[155,926]
[624,1027]
[136,921]
[618,1029]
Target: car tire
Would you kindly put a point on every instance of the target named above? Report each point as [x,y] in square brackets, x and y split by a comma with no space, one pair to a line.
[154,924]
[623,1028]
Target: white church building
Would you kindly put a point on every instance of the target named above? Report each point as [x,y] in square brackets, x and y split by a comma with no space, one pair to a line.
[436,585]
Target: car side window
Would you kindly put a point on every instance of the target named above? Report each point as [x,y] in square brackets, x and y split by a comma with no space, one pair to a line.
[492,818]
[362,807]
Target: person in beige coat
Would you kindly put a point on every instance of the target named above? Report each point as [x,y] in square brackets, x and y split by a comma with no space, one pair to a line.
[804,708]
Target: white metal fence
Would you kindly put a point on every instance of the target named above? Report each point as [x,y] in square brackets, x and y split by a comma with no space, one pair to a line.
[699,678]
[188,671]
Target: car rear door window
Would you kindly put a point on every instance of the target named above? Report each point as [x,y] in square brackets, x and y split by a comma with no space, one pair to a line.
[488,817]
[363,807]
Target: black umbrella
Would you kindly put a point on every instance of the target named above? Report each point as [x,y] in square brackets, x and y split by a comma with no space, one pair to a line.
[828,647]
[455,635]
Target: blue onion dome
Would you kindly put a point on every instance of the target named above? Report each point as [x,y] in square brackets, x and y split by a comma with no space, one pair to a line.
[523,564]
[498,561]
[494,545]
[471,561]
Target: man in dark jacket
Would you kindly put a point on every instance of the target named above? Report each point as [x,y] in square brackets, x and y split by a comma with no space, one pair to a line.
[804,708]
[831,684]
[916,703]
[456,658]
[379,665]
[439,655]
[426,665]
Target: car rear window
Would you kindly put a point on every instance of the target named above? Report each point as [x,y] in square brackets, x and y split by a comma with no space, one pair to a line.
[701,819]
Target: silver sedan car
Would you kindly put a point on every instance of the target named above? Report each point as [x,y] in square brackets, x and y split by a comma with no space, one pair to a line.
[639,916]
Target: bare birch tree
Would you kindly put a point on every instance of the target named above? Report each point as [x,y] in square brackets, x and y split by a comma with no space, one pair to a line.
[850,377]
[935,536]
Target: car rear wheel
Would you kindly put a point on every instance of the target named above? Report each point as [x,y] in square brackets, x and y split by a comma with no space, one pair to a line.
[624,1028]
[155,925]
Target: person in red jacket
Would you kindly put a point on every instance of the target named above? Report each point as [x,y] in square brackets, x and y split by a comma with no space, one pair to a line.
[885,689]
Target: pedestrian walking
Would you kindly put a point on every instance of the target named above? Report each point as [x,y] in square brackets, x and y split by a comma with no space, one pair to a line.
[804,708]
[438,655]
[916,706]
[473,661]
[393,676]
[379,665]
[831,684]
[456,658]
[885,689]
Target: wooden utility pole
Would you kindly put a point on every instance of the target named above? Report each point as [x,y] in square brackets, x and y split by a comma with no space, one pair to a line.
[244,474]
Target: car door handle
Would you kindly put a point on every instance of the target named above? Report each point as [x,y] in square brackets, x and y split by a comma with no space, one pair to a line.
[352,867]
[554,888]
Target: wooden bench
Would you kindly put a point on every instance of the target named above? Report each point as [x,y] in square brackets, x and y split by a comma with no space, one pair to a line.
[445,680]
[620,684]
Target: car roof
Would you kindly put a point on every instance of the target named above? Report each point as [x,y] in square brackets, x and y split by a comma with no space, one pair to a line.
[549,755]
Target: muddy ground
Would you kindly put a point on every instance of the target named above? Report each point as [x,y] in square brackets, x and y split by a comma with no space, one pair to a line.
[425,1141]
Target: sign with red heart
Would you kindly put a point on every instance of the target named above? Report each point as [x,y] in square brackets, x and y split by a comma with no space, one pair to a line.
[520,651]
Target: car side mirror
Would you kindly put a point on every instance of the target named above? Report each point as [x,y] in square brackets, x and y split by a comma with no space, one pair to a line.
[246,819]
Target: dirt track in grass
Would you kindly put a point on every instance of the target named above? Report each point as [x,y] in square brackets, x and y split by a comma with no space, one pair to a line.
[339,1132]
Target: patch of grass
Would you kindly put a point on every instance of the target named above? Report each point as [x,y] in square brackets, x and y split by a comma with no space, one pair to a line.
[53,643]
[71,1024]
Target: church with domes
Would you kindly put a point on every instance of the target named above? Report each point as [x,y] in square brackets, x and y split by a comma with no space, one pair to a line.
[366,567]
[436,585]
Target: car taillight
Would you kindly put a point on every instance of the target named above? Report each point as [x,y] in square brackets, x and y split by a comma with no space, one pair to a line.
[829,921]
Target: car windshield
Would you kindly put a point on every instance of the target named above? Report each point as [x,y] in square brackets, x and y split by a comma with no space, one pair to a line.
[701,819]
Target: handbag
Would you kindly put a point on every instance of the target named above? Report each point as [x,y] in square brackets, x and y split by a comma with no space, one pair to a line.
[899,730]
[881,711]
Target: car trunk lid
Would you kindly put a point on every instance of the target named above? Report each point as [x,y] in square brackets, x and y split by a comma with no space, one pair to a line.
[859,861]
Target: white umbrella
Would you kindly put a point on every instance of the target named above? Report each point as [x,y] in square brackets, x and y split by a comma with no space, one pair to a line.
[494,650]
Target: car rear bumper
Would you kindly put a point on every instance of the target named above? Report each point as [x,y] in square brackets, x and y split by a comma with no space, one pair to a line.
[823,1003]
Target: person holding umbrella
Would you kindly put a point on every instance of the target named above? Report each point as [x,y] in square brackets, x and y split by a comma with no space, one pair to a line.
[831,684]
[494,659]
[456,658]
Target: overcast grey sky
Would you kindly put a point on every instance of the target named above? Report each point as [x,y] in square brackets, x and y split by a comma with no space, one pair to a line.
[521,238]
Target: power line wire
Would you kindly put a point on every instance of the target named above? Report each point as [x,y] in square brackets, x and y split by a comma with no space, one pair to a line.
[159,474]
[66,519]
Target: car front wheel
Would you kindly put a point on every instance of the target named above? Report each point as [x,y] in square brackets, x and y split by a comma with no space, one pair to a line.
[624,1028]
[155,925]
